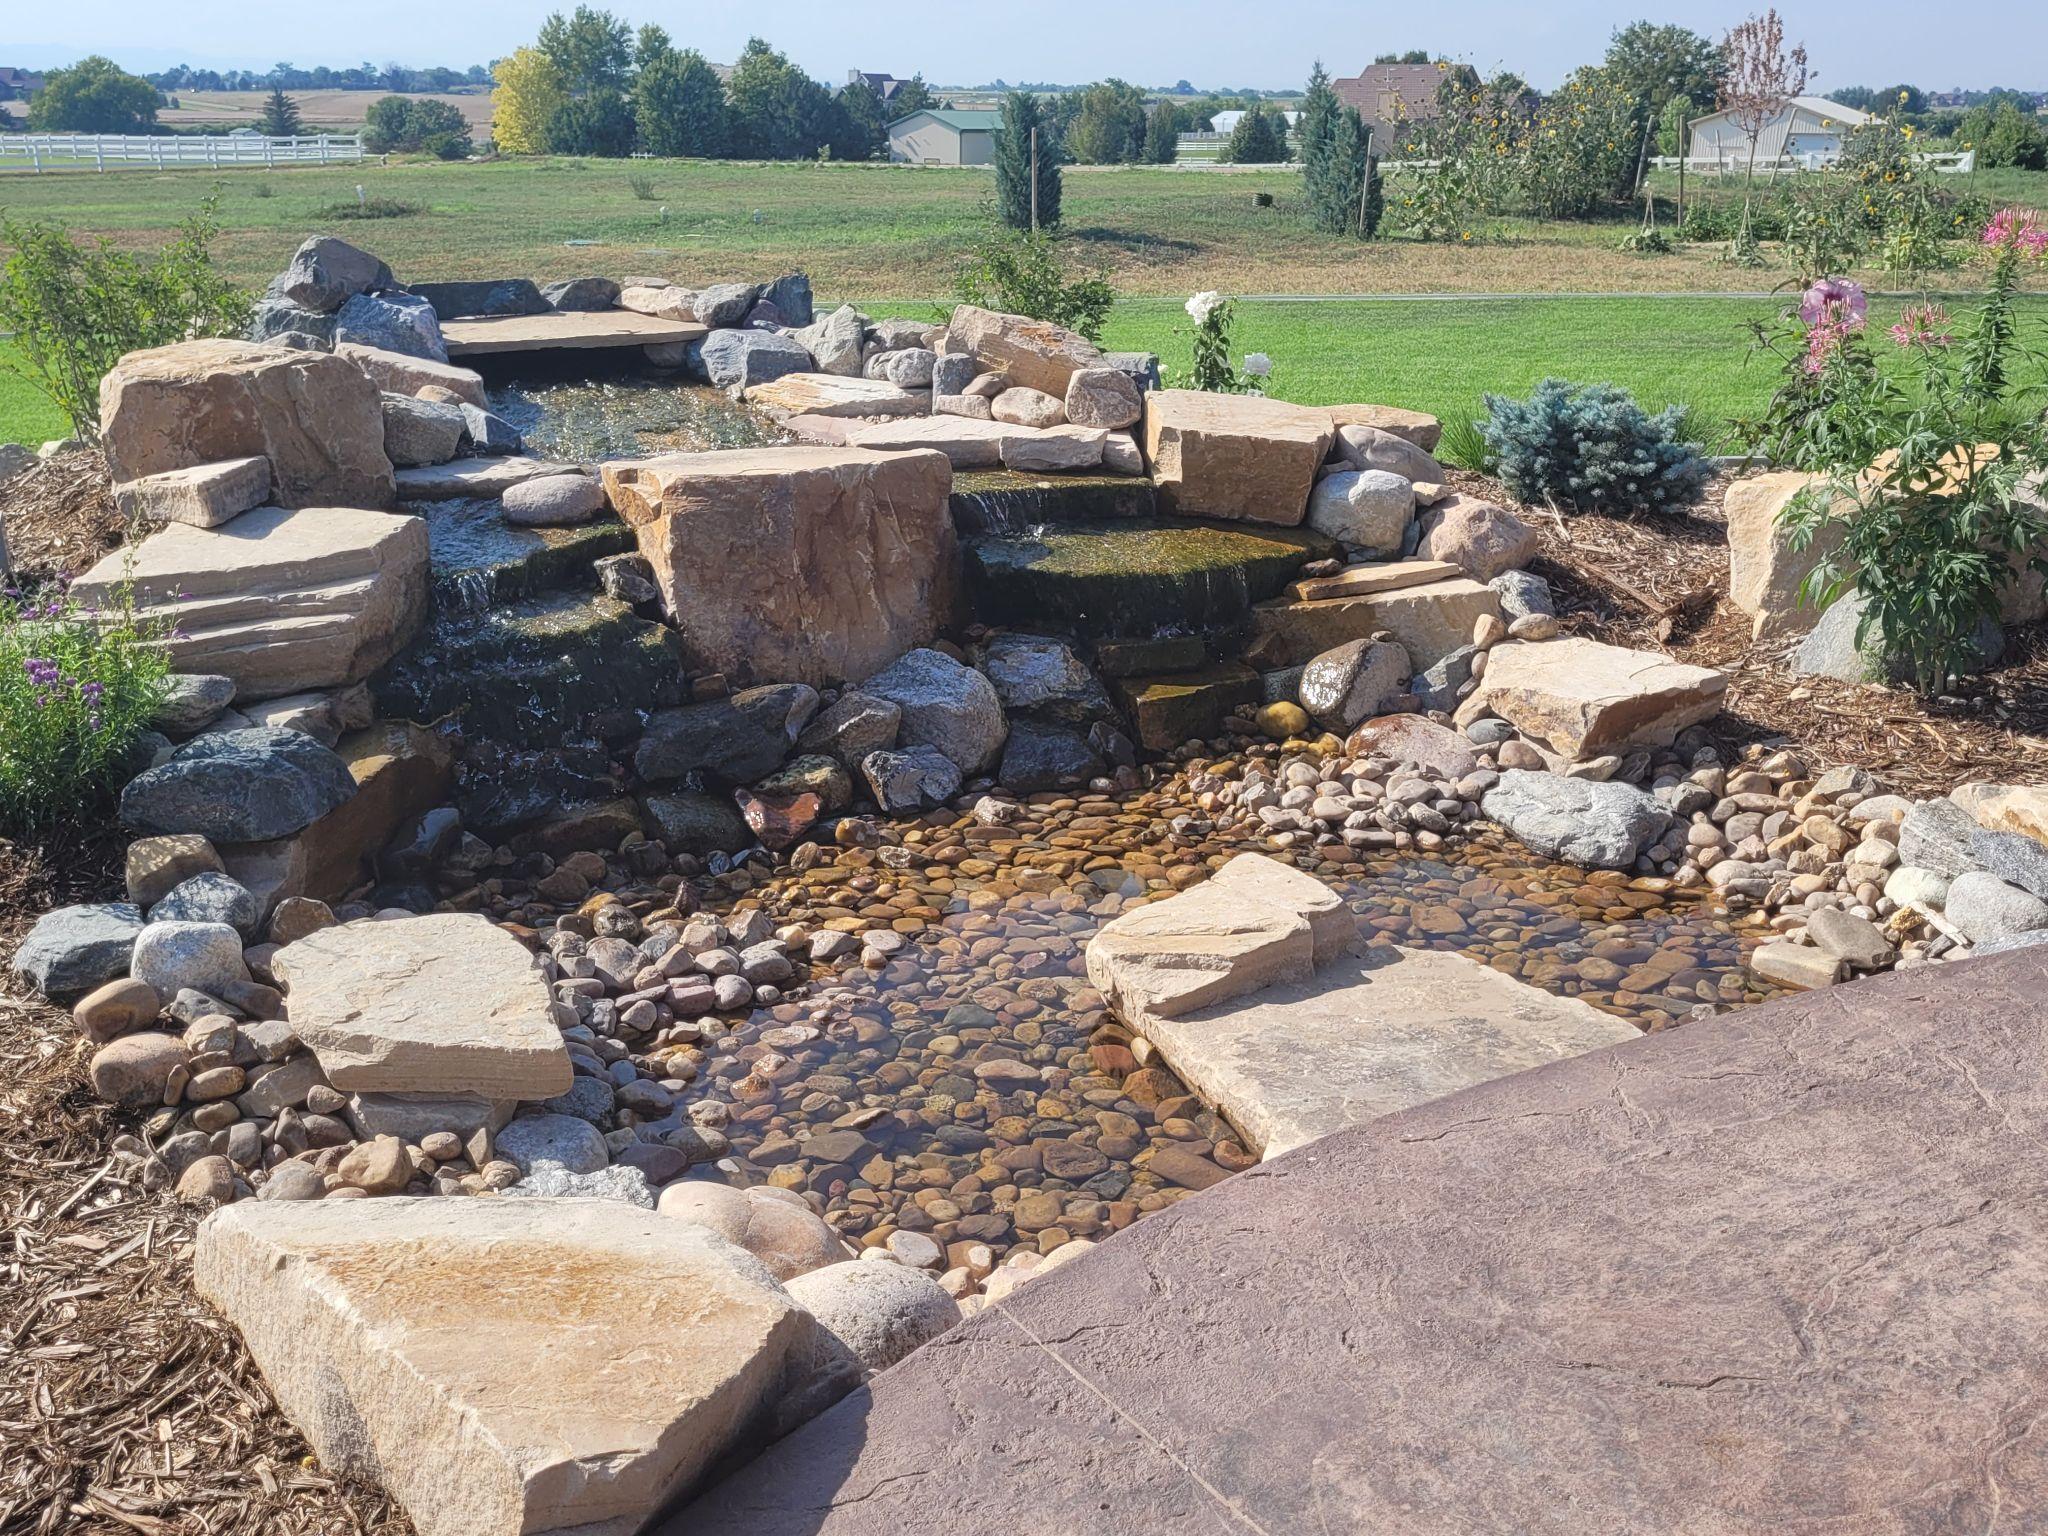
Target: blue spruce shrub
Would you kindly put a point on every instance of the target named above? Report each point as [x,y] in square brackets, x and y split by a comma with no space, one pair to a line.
[1590,447]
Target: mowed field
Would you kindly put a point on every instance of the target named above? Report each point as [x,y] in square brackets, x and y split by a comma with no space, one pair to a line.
[336,111]
[1554,298]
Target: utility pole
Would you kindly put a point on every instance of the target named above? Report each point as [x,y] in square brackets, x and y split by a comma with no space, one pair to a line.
[1034,180]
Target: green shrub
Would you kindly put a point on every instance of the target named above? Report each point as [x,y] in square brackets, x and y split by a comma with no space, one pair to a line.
[371,208]
[1463,446]
[1028,275]
[1592,448]
[642,187]
[76,694]
[76,310]
[405,124]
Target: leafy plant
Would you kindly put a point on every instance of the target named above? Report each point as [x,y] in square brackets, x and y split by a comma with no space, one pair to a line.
[1027,274]
[77,690]
[641,186]
[1463,446]
[409,125]
[1592,448]
[1924,481]
[75,309]
[1213,370]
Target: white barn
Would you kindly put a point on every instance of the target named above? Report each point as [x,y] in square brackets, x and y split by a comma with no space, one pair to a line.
[1808,129]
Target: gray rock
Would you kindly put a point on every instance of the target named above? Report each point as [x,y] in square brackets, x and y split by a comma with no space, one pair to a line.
[489,298]
[909,368]
[739,740]
[282,1087]
[791,296]
[1438,686]
[945,705]
[1522,593]
[1491,733]
[1593,825]
[873,1312]
[1848,937]
[952,373]
[698,824]
[1983,908]
[411,1116]
[486,434]
[206,957]
[293,1180]
[582,294]
[212,898]
[836,341]
[737,359]
[421,432]
[910,780]
[1141,368]
[1371,448]
[2016,941]
[1281,685]
[724,305]
[1830,648]
[2014,857]
[628,579]
[551,1181]
[1939,835]
[574,1144]
[1038,756]
[894,335]
[240,787]
[1365,510]
[588,1098]
[325,273]
[75,949]
[553,501]
[1040,674]
[275,321]
[397,322]
[194,702]
[1353,682]
[854,725]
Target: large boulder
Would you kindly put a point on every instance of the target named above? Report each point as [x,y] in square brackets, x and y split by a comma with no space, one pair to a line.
[1233,456]
[505,1366]
[393,322]
[1594,825]
[1104,397]
[791,296]
[1419,428]
[945,705]
[1582,699]
[1036,354]
[239,787]
[582,295]
[491,297]
[279,601]
[773,1225]
[75,949]
[175,957]
[1369,447]
[724,305]
[735,359]
[1832,649]
[325,273]
[1365,510]
[443,1004]
[418,432]
[1764,570]
[837,341]
[1481,539]
[813,565]
[315,416]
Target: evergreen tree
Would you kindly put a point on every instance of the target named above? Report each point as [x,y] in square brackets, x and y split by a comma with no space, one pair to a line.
[1108,126]
[679,105]
[1021,114]
[598,122]
[777,111]
[1164,124]
[912,95]
[863,126]
[1255,140]
[281,115]
[1322,181]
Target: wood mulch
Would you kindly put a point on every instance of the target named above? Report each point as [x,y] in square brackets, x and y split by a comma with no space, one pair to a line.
[61,518]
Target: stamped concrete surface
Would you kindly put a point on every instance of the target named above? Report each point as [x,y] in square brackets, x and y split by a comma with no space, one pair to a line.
[1783,1270]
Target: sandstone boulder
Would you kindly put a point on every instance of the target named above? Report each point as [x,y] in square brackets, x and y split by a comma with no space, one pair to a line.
[281,601]
[505,1366]
[1431,620]
[1036,354]
[1764,571]
[399,373]
[1234,456]
[815,565]
[1582,699]
[968,442]
[315,416]
[1021,407]
[1371,447]
[1424,431]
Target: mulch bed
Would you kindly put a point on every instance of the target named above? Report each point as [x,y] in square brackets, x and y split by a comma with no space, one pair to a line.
[61,518]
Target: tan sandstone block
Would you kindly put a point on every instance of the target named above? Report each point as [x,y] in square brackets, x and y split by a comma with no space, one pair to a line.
[1582,699]
[1234,456]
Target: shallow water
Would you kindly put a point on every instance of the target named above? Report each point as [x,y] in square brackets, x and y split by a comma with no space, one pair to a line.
[585,421]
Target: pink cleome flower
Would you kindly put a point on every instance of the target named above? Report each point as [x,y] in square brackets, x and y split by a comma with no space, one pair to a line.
[1835,301]
[2019,228]
[1923,325]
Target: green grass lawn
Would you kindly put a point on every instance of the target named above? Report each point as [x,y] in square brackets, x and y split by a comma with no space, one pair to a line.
[27,415]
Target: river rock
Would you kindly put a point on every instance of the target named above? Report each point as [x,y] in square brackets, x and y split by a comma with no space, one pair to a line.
[1583,699]
[1481,539]
[1983,908]
[504,1365]
[325,273]
[315,417]
[813,565]
[871,1315]
[737,740]
[170,957]
[444,1004]
[134,1071]
[1368,447]
[553,501]
[211,898]
[906,368]
[1238,457]
[778,1230]
[1593,825]
[1021,407]
[392,322]
[1416,741]
[945,705]
[240,787]
[1103,397]
[75,949]
[911,780]
[1353,682]
[1366,510]
[735,359]
[115,1009]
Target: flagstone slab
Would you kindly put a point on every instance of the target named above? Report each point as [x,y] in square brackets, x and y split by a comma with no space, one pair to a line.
[831,394]
[1377,576]
[1581,699]
[482,478]
[565,331]
[1430,620]
[1777,1270]
[446,1003]
[505,1367]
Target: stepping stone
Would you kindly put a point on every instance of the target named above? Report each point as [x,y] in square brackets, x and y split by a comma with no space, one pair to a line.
[281,601]
[831,394]
[565,331]
[1365,1037]
[1431,620]
[966,442]
[1582,699]
[1234,456]
[205,495]
[444,1004]
[1379,576]
[505,1367]
[480,478]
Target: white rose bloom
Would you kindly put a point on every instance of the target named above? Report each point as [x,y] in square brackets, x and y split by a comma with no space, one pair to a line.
[1202,305]
[1258,365]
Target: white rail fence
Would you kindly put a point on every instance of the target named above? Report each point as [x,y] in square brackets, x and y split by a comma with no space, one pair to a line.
[169,151]
[1735,162]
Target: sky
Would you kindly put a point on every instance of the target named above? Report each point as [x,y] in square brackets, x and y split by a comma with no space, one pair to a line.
[1265,44]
